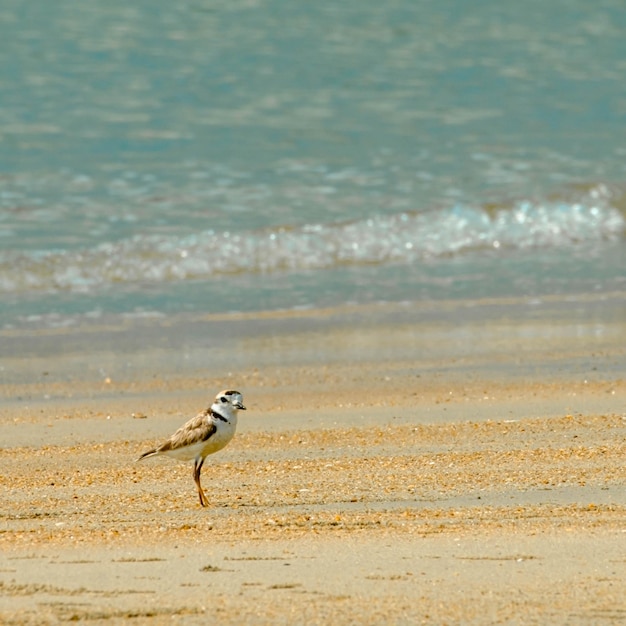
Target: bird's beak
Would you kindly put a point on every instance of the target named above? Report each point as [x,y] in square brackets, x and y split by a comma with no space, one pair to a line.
[240,406]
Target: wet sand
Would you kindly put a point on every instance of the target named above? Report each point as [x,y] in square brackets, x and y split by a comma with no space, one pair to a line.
[482,488]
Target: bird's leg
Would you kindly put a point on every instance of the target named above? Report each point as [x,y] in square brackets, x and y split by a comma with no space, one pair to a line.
[197,467]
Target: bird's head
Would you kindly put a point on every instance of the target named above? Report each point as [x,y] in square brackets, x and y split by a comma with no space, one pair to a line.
[229,399]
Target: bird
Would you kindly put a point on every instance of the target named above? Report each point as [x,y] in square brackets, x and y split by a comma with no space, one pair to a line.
[204,434]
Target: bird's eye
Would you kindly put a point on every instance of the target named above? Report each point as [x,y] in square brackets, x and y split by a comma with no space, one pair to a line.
[223,399]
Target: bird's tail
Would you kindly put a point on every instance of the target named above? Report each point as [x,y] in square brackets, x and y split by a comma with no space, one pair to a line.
[146,454]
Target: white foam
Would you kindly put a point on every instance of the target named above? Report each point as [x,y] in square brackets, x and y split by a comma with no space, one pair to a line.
[380,239]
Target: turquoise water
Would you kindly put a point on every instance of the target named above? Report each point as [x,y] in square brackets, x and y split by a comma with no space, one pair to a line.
[164,158]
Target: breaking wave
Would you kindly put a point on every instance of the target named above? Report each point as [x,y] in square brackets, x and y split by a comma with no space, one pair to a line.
[382,239]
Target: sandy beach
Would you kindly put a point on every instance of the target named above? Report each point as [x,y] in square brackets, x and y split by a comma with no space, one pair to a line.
[473,482]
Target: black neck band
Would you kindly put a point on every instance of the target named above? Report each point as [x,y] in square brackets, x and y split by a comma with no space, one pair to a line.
[219,417]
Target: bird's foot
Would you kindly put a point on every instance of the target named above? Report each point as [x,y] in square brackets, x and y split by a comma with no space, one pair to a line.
[204,501]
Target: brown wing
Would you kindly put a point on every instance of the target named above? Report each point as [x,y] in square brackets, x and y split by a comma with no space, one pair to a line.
[197,429]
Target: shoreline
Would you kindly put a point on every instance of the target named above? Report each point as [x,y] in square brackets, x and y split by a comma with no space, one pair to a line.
[561,338]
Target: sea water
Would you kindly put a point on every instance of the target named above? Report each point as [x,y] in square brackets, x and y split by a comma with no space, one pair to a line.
[167,158]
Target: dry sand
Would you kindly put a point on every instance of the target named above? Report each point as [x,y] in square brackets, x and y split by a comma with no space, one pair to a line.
[378,493]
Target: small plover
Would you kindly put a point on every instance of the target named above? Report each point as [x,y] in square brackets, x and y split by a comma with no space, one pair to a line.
[202,435]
